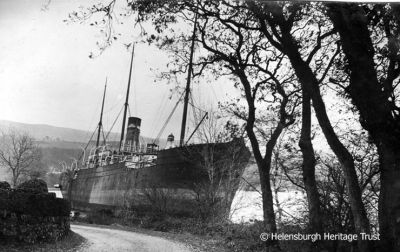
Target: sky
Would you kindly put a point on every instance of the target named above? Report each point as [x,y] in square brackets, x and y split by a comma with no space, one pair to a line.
[46,76]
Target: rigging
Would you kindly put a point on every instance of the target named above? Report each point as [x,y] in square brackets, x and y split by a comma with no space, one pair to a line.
[187,90]
[100,125]
[126,100]
[167,121]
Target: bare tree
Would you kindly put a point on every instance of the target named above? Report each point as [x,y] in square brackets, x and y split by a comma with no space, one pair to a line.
[18,154]
[159,199]
[223,169]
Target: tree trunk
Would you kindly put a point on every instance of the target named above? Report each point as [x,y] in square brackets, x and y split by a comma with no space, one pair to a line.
[273,15]
[14,179]
[70,184]
[389,200]
[264,167]
[263,163]
[376,115]
[276,189]
[310,84]
[308,167]
[265,180]
[267,199]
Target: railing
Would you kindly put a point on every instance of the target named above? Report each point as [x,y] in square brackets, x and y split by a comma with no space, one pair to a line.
[134,157]
[139,149]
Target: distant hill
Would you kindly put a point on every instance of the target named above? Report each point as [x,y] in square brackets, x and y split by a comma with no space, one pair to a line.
[43,132]
[53,136]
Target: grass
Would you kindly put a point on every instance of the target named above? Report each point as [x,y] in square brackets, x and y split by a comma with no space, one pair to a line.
[70,243]
[199,236]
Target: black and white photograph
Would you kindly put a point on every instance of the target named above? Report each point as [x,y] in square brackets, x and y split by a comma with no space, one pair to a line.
[199,126]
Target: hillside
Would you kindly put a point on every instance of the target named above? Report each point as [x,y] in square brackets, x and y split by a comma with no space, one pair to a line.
[53,136]
[46,132]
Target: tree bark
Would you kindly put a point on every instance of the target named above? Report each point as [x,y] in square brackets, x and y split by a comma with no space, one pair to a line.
[267,199]
[308,167]
[389,199]
[376,115]
[14,179]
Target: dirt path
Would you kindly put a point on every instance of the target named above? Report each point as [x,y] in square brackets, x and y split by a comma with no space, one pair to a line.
[104,239]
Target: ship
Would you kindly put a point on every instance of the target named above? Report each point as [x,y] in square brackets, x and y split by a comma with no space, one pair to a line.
[175,178]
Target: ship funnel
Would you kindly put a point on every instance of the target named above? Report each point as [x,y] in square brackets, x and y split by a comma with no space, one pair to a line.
[133,133]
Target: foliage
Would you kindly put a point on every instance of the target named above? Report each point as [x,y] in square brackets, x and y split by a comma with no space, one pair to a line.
[101,216]
[5,185]
[33,230]
[35,204]
[34,186]
[159,199]
[30,214]
[70,242]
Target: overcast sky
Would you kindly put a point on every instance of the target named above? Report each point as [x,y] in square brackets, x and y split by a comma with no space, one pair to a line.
[46,76]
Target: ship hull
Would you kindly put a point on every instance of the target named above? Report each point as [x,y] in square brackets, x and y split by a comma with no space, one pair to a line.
[176,183]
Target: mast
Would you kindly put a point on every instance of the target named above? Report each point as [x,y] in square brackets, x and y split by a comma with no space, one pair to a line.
[187,90]
[126,100]
[101,116]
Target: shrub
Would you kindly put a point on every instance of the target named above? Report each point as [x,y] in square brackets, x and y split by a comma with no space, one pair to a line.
[101,216]
[5,185]
[245,238]
[30,214]
[34,186]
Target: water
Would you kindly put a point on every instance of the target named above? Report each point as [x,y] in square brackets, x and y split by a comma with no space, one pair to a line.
[247,205]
